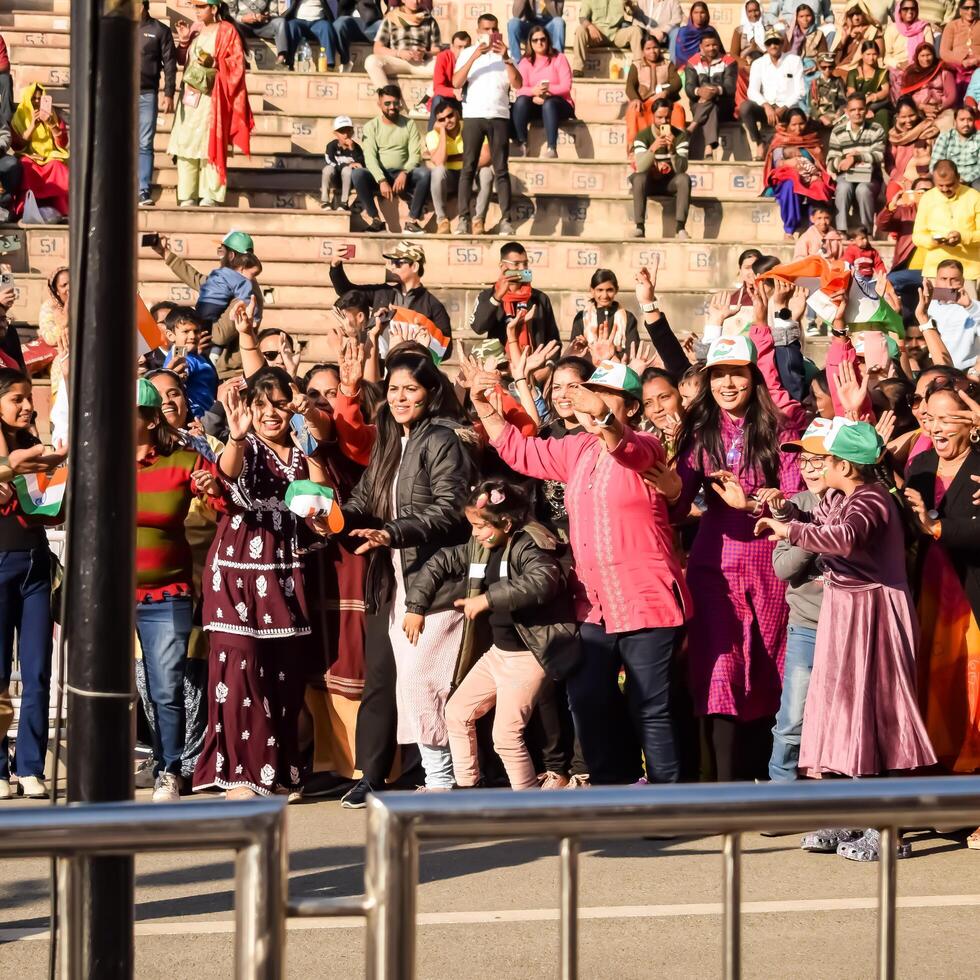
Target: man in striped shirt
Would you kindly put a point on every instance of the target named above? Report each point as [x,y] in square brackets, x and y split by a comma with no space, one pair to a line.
[660,154]
[857,147]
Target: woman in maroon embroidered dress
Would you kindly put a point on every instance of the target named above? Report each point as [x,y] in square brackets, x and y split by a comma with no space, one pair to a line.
[254,602]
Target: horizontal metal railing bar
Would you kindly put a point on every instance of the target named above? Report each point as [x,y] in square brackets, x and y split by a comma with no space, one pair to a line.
[697,808]
[328,908]
[132,828]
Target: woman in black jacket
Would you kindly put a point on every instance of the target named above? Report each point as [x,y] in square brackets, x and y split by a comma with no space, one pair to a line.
[527,634]
[941,484]
[408,505]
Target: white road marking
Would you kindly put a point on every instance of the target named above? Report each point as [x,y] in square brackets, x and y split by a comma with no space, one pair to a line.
[227,926]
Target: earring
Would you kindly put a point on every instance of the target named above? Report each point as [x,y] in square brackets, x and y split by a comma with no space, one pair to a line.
[975,436]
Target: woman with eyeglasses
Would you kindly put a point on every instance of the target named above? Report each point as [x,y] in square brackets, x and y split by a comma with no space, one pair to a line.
[946,580]
[959,48]
[903,35]
[546,92]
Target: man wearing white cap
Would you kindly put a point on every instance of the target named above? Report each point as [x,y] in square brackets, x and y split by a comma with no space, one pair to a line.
[343,156]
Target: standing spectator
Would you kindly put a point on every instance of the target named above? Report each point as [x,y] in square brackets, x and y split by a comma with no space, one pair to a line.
[854,156]
[443,92]
[947,225]
[959,48]
[602,23]
[961,146]
[10,174]
[406,44]
[826,93]
[528,14]
[488,74]
[40,139]
[343,156]
[311,20]
[445,145]
[932,86]
[661,155]
[546,93]
[393,162]
[6,86]
[710,80]
[356,21]
[954,313]
[259,18]
[903,35]
[775,87]
[652,78]
[157,53]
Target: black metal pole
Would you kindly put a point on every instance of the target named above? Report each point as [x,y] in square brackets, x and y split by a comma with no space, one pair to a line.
[101,505]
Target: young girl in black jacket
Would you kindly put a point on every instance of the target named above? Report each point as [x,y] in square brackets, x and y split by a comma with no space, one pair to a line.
[528,631]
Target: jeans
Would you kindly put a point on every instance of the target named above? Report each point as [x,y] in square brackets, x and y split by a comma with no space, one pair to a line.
[553,113]
[496,133]
[800,641]
[25,608]
[335,177]
[906,283]
[147,128]
[860,194]
[275,30]
[10,175]
[519,29]
[596,702]
[163,629]
[347,30]
[366,187]
[319,31]
[437,761]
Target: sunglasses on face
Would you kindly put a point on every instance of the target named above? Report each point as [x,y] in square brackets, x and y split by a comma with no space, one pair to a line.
[445,119]
[541,39]
[272,355]
[398,263]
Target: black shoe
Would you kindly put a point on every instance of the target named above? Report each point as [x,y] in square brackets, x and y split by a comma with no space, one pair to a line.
[326,206]
[413,228]
[376,225]
[146,201]
[356,798]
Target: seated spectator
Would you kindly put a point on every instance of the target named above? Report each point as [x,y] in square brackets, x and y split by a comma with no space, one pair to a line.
[861,255]
[902,38]
[775,87]
[806,40]
[870,79]
[652,78]
[660,154]
[897,220]
[52,318]
[603,318]
[445,145]
[546,93]
[956,313]
[961,145]
[10,174]
[406,44]
[602,23]
[960,43]
[910,143]
[931,86]
[508,296]
[661,19]
[11,355]
[826,93]
[392,163]
[854,157]
[748,44]
[795,171]
[259,18]
[710,78]
[188,359]
[6,86]
[40,140]
[947,224]
[821,238]
[782,13]
[357,21]
[343,156]
[311,20]
[528,14]
[443,90]
[857,29]
[689,37]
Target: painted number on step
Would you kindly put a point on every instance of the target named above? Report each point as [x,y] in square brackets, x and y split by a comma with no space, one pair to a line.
[322,90]
[761,216]
[538,256]
[745,182]
[34,40]
[302,128]
[583,258]
[58,76]
[606,95]
[612,137]
[51,246]
[699,260]
[588,182]
[577,211]
[177,246]
[285,201]
[534,178]
[465,255]
[651,256]
[700,181]
[276,90]
[182,294]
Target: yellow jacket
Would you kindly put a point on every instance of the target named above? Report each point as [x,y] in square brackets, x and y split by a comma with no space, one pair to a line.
[939,215]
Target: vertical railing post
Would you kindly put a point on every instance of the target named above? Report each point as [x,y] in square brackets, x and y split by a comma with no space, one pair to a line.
[260,906]
[69,922]
[390,881]
[732,937]
[569,908]
[887,890]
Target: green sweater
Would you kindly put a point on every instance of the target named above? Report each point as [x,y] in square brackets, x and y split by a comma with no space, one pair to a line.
[607,15]
[395,146]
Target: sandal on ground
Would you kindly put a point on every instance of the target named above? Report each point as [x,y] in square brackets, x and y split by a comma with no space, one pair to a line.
[868,848]
[973,841]
[826,841]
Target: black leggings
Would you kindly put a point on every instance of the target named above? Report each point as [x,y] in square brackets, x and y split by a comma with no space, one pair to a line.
[741,749]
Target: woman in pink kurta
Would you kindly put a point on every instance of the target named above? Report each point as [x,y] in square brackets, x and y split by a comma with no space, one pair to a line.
[728,447]
[631,599]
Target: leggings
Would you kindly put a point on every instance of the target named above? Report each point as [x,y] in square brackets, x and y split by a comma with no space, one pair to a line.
[741,749]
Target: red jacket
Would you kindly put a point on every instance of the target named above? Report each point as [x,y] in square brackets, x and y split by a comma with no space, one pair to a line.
[442,74]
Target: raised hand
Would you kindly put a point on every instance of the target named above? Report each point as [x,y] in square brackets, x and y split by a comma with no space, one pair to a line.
[205,482]
[773,528]
[603,349]
[885,426]
[237,412]
[850,392]
[664,480]
[640,357]
[541,355]
[352,358]
[646,282]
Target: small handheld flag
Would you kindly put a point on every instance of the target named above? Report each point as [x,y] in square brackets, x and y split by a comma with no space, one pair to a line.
[308,499]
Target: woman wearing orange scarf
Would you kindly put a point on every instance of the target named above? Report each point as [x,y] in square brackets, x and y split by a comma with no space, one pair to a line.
[213,110]
[795,173]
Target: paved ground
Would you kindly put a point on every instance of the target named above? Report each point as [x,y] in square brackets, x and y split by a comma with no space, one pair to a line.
[650,909]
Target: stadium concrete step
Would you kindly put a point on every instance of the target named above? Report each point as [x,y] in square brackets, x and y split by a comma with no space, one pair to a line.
[19,41]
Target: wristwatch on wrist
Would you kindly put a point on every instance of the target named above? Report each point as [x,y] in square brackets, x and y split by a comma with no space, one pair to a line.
[839,333]
[783,314]
[606,422]
[930,324]
[649,307]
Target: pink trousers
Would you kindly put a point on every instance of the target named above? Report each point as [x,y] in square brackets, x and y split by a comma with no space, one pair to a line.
[511,679]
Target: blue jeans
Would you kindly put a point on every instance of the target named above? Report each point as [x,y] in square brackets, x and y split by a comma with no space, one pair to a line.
[597,704]
[163,628]
[319,31]
[553,113]
[906,283]
[418,183]
[348,30]
[25,608]
[518,30]
[800,641]
[147,127]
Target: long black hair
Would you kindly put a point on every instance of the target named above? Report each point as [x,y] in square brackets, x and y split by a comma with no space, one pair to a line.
[701,431]
[24,439]
[386,454]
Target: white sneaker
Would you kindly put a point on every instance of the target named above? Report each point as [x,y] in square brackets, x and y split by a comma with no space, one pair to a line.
[166,789]
[6,792]
[189,203]
[206,202]
[33,788]
[345,69]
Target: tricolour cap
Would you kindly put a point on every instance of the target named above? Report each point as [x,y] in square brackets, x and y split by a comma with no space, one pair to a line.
[238,241]
[737,351]
[857,442]
[616,377]
[147,395]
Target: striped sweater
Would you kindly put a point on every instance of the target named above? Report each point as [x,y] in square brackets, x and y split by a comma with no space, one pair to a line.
[867,145]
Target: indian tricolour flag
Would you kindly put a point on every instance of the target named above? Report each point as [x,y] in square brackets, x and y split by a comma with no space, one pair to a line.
[438,341]
[41,494]
[149,336]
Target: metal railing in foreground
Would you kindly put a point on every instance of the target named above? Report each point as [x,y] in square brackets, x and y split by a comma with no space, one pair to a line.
[399,822]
